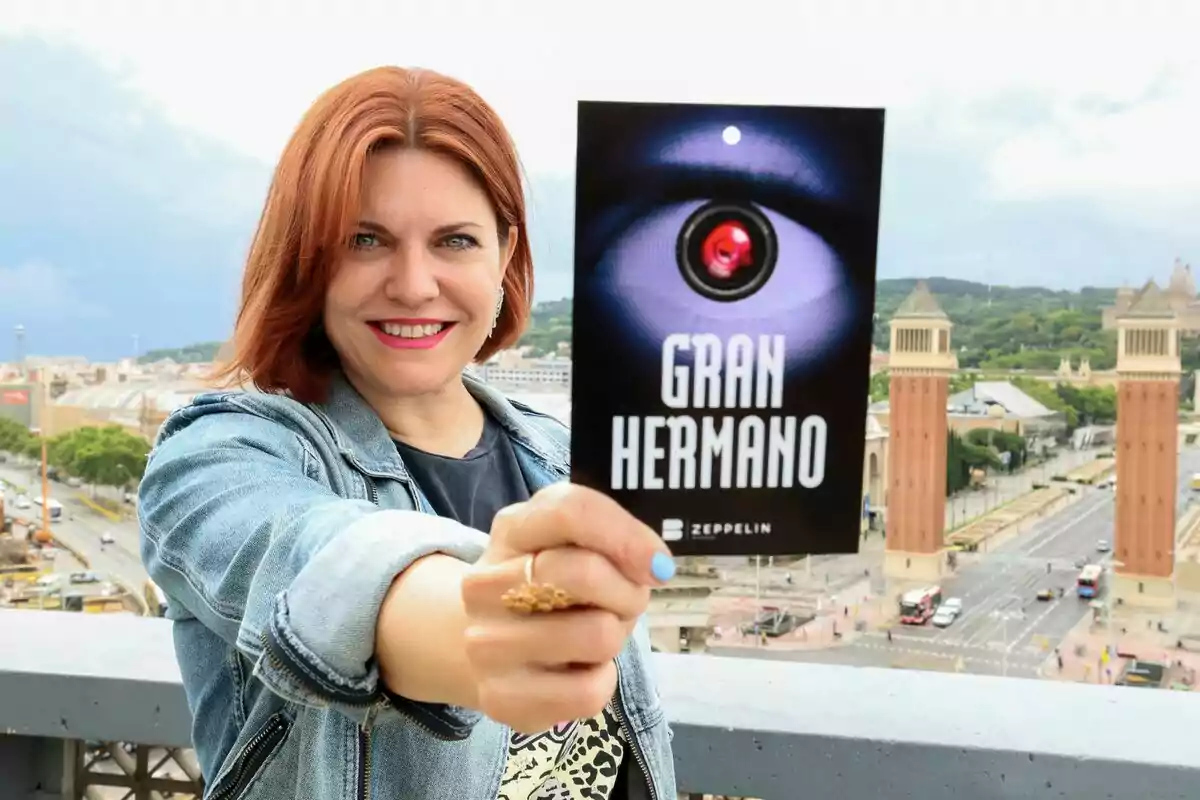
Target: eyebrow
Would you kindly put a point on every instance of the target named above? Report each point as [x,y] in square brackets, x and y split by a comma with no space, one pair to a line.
[441,230]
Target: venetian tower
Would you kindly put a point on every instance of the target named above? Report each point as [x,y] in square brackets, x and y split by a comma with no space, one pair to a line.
[921,362]
[1147,449]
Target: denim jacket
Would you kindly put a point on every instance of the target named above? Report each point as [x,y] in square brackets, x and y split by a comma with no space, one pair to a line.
[275,528]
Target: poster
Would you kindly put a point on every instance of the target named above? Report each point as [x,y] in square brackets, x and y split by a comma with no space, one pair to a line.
[724,294]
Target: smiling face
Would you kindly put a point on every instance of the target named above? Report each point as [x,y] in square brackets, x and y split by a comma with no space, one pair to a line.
[414,290]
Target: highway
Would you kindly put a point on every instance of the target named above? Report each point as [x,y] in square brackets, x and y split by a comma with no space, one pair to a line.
[1004,628]
[81,529]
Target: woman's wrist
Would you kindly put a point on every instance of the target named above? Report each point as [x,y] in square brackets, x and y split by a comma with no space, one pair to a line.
[419,645]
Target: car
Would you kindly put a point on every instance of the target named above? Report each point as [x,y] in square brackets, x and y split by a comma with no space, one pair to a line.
[1046,594]
[947,612]
[943,618]
[107,538]
[84,577]
[1102,546]
[1080,563]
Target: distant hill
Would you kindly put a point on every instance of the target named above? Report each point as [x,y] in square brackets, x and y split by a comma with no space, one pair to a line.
[996,327]
[1012,327]
[200,353]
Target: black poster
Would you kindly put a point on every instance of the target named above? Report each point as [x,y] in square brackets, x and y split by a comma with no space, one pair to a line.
[724,292]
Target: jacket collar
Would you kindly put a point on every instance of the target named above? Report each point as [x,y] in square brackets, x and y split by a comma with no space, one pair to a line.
[362,438]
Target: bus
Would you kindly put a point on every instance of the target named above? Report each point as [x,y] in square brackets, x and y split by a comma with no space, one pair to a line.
[21,573]
[156,601]
[918,605]
[52,505]
[1090,581]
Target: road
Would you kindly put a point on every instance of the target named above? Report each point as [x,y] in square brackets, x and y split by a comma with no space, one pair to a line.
[1004,628]
[81,528]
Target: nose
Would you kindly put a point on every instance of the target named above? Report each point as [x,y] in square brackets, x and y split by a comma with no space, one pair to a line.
[412,277]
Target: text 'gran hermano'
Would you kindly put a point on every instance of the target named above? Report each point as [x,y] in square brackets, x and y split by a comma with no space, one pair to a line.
[749,451]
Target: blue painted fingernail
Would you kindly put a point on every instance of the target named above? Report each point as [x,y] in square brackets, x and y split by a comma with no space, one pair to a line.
[662,566]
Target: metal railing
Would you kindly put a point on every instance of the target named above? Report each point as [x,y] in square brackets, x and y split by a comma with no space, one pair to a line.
[73,686]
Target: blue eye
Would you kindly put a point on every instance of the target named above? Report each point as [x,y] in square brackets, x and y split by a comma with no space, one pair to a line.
[363,241]
[460,241]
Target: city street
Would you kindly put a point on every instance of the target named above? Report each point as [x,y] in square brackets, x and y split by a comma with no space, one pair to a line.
[1004,628]
[81,528]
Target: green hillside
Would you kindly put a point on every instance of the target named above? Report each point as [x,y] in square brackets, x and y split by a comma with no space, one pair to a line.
[1006,327]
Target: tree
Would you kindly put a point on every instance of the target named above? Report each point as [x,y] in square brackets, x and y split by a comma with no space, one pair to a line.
[1017,327]
[961,457]
[1001,443]
[15,438]
[1048,395]
[109,456]
[1094,405]
[879,386]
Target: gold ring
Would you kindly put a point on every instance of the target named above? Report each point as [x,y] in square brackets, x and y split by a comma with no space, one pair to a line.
[534,597]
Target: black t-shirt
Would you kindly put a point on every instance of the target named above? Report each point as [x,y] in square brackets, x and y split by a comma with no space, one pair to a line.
[471,490]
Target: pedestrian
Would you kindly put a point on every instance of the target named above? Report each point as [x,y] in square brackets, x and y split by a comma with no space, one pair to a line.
[889,635]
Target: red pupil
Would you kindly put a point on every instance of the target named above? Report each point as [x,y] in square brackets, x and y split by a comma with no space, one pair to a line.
[726,249]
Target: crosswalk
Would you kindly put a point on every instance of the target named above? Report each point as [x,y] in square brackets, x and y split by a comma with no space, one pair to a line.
[965,656]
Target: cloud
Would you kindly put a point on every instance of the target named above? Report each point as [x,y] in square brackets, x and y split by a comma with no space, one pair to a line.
[32,292]
[1027,142]
[1138,158]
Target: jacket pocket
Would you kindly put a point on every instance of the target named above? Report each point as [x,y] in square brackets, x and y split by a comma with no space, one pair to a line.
[253,757]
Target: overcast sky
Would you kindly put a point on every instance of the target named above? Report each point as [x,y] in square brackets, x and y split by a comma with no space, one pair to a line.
[1127,82]
[1029,142]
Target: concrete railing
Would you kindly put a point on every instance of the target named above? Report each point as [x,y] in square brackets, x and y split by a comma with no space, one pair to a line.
[743,728]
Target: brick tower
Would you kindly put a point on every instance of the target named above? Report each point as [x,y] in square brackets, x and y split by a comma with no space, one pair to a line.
[921,362]
[1147,450]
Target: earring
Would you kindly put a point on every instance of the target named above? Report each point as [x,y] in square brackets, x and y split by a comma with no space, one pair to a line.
[499,308]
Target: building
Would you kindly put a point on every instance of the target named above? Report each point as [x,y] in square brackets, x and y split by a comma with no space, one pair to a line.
[1179,296]
[1147,451]
[139,407]
[874,483]
[20,401]
[510,368]
[993,405]
[1001,405]
[921,361]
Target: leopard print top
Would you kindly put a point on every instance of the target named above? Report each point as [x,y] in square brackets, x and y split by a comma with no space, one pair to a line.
[575,761]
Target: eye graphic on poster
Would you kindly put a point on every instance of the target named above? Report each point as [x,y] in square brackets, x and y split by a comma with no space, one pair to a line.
[724,288]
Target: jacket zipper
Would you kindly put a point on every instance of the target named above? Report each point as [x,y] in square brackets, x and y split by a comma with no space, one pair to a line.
[364,750]
[634,746]
[252,757]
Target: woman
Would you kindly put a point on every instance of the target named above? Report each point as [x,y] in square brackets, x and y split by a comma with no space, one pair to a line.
[344,625]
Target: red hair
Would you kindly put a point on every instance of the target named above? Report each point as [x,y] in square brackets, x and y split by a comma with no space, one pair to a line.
[313,205]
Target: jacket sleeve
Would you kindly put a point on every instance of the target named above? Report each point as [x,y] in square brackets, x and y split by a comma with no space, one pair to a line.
[238,529]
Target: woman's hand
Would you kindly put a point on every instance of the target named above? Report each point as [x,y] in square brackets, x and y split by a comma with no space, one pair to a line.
[535,670]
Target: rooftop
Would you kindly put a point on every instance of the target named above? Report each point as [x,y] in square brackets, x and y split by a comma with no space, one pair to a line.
[920,303]
[1150,301]
[743,728]
[1001,393]
[132,396]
